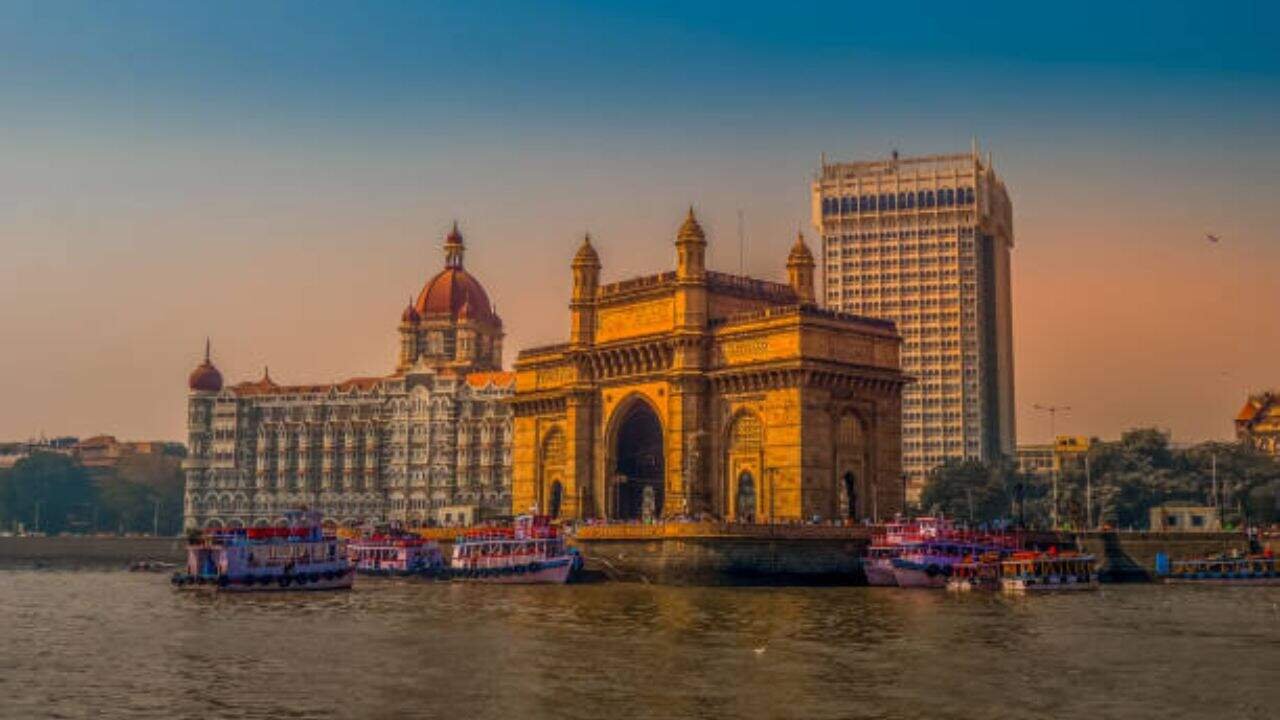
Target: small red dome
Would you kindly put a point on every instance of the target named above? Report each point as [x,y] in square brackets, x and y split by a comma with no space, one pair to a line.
[449,291]
[205,378]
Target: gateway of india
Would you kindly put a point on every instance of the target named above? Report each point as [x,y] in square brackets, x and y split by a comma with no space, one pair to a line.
[700,394]
[429,443]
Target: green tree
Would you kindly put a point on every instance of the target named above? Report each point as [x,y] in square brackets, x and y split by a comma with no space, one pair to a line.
[974,491]
[140,490]
[48,492]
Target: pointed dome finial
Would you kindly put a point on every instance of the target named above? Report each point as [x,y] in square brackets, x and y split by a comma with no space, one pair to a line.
[586,255]
[453,247]
[690,230]
[207,345]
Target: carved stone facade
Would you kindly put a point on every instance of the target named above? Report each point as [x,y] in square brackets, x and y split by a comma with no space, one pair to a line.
[1258,422]
[429,443]
[694,392]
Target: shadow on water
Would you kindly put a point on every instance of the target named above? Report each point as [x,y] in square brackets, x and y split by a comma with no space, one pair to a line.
[115,644]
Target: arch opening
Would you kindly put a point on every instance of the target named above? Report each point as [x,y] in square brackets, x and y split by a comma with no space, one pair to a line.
[557,494]
[639,468]
[746,505]
[850,485]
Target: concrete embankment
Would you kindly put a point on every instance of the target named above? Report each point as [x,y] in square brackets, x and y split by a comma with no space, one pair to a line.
[1131,556]
[87,552]
[725,553]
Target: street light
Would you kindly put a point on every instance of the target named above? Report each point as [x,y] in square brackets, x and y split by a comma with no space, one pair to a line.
[1053,434]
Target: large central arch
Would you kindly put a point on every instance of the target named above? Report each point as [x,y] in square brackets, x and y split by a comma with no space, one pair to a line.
[637,472]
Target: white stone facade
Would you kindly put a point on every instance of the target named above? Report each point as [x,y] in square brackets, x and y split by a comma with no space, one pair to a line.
[435,434]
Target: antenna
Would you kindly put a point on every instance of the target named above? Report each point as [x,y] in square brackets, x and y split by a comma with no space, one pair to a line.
[742,245]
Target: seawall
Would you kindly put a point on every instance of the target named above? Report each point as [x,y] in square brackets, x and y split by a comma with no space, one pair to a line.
[87,552]
[724,553]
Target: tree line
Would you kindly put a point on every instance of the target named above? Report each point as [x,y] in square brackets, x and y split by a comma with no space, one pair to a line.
[53,493]
[1117,483]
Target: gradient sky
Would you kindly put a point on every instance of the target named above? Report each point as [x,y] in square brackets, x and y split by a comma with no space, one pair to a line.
[279,176]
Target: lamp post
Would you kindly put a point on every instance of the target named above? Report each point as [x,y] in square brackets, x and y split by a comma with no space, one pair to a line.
[1053,435]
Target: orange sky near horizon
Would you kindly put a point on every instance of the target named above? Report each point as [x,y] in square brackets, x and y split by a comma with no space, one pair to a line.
[278,177]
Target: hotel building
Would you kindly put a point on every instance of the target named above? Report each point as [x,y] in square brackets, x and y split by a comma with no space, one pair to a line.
[428,443]
[925,242]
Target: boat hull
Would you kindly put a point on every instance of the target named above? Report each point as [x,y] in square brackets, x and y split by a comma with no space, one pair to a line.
[263,583]
[1274,580]
[1020,587]
[879,572]
[918,577]
[554,572]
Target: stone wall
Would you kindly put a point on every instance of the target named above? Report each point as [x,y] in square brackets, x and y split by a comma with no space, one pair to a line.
[88,552]
[1131,556]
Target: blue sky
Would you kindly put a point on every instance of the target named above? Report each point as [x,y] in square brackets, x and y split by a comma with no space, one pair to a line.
[278,174]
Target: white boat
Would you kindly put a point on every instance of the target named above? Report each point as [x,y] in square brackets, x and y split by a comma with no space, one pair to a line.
[298,556]
[396,554]
[530,551]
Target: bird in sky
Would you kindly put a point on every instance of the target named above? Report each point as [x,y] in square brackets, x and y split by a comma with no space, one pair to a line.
[1212,238]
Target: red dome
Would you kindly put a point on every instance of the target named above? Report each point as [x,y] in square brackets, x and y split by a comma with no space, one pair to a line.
[205,378]
[410,314]
[449,291]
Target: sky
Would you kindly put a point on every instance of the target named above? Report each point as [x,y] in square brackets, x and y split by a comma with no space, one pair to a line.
[279,176]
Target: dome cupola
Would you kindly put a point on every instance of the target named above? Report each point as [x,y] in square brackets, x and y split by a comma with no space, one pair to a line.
[205,378]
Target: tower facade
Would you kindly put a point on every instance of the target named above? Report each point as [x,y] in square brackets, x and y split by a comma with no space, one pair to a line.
[925,242]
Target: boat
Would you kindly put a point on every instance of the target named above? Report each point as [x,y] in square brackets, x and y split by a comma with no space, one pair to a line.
[928,564]
[976,573]
[1261,569]
[1051,571]
[298,556]
[396,554]
[532,550]
[888,543]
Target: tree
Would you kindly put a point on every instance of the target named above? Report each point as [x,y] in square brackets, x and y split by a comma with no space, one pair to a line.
[48,492]
[974,491]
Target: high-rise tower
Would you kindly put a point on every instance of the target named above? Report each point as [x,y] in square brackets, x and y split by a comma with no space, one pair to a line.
[925,242]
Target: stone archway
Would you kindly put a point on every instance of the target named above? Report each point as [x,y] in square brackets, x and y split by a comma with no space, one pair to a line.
[744,458]
[851,467]
[637,472]
[551,466]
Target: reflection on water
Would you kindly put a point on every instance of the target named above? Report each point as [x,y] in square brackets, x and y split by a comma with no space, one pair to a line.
[114,644]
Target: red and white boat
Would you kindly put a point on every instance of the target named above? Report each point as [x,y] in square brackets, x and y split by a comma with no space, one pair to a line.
[530,551]
[396,554]
[890,541]
[298,556]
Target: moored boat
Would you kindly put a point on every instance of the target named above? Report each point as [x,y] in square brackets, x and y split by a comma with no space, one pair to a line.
[531,551]
[976,573]
[1221,570]
[929,564]
[299,556]
[1048,572]
[396,554]
[890,539]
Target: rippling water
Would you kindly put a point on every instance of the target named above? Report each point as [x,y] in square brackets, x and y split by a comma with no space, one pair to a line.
[123,645]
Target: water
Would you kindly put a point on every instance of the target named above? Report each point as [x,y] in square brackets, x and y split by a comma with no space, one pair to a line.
[111,644]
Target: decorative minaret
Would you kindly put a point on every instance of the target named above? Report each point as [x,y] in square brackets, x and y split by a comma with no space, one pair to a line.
[691,249]
[800,270]
[586,280]
[691,275]
[453,248]
[409,346]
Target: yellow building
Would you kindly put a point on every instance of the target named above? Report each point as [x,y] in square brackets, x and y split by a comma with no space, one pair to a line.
[699,393]
[1258,422]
